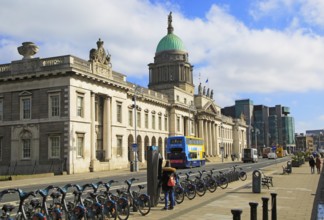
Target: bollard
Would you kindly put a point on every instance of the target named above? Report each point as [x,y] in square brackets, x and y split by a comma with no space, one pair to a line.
[253,212]
[265,201]
[236,214]
[274,206]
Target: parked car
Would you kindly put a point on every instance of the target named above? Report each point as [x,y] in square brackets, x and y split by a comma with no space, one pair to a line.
[272,155]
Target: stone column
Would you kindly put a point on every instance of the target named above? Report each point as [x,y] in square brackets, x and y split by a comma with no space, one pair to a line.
[107,128]
[93,127]
[213,136]
[206,137]
[210,138]
[200,128]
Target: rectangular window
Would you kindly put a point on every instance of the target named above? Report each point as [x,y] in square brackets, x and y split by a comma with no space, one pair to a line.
[1,109]
[119,146]
[178,123]
[153,121]
[166,123]
[119,112]
[130,118]
[146,120]
[26,150]
[26,107]
[54,147]
[80,145]
[178,98]
[160,123]
[54,105]
[138,119]
[80,104]
[185,101]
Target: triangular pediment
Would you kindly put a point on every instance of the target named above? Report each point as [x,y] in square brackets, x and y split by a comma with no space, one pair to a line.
[210,108]
[25,93]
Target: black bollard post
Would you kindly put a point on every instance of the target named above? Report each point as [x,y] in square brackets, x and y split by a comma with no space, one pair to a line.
[236,214]
[253,213]
[265,201]
[274,206]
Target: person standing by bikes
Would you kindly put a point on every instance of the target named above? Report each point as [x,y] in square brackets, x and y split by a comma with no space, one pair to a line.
[168,180]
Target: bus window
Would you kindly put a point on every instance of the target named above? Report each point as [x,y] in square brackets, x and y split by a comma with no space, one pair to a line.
[176,150]
[176,141]
[192,155]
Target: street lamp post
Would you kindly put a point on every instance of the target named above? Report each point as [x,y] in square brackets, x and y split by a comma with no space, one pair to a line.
[256,132]
[135,147]
[319,141]
[222,144]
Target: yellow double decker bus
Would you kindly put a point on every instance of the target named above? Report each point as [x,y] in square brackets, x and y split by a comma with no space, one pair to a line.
[186,151]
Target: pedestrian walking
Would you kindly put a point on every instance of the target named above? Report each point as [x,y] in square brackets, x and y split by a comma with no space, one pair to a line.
[318,164]
[311,163]
[168,182]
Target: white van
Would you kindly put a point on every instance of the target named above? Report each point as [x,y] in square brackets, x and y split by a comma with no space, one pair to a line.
[250,155]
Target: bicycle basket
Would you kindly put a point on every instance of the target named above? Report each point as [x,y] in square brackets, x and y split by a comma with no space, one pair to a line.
[79,211]
[110,204]
[57,213]
[144,198]
[178,190]
[122,202]
[39,216]
[97,208]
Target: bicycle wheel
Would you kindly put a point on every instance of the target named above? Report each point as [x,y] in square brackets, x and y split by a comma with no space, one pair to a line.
[243,176]
[143,204]
[122,208]
[223,182]
[179,194]
[211,185]
[200,188]
[190,191]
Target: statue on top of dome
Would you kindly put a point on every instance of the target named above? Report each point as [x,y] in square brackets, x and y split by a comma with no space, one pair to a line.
[170,28]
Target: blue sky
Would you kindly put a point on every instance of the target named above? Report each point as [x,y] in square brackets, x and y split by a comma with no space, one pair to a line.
[269,51]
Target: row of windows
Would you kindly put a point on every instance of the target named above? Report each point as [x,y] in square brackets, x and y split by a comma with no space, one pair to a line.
[54,147]
[26,106]
[146,120]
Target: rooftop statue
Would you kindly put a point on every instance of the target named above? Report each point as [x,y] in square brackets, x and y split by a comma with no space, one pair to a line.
[99,55]
[28,50]
[199,89]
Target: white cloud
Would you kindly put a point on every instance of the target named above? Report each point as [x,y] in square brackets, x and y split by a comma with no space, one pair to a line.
[313,12]
[234,58]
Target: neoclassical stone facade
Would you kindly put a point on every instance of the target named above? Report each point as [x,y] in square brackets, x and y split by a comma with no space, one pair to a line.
[67,114]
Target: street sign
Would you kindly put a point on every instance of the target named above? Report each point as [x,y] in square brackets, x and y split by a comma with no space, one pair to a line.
[134,147]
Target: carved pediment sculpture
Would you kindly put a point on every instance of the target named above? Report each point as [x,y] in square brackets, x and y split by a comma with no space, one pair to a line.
[99,55]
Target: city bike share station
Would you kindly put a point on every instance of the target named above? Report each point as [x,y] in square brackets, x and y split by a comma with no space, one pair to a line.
[154,170]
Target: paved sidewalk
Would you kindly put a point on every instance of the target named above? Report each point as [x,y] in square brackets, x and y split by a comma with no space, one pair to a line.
[295,197]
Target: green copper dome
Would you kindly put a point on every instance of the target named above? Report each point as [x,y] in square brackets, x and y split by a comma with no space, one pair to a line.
[170,42]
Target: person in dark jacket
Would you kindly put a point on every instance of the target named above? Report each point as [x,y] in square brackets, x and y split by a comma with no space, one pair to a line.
[167,172]
[311,163]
